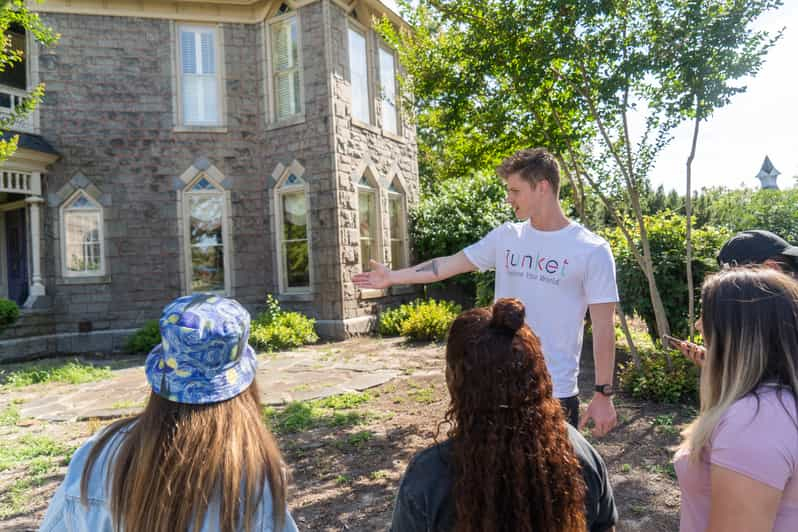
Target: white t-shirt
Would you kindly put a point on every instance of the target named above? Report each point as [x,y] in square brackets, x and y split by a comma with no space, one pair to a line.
[556,274]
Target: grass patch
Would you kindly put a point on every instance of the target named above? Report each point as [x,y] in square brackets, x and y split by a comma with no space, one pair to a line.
[343,480]
[626,468]
[423,395]
[70,372]
[9,415]
[343,401]
[120,405]
[38,456]
[334,411]
[378,475]
[359,438]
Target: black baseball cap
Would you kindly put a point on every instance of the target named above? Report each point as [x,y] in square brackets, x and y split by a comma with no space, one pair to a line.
[754,247]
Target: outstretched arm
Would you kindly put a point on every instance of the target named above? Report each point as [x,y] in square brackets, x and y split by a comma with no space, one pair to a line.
[431,271]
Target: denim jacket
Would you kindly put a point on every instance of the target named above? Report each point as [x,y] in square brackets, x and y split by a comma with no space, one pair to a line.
[66,513]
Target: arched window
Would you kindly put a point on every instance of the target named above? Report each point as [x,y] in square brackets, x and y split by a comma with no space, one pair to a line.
[368,220]
[397,217]
[293,233]
[83,247]
[205,219]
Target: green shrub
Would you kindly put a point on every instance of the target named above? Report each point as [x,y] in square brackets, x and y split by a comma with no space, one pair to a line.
[739,210]
[391,320]
[9,312]
[666,233]
[145,338]
[459,213]
[653,381]
[275,329]
[430,320]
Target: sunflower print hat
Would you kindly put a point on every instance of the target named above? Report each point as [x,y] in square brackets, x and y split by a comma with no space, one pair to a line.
[203,356]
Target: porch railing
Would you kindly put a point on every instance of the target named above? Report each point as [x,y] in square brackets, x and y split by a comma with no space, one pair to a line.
[19,182]
[10,99]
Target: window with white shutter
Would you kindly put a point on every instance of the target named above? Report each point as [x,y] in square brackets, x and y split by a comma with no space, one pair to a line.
[286,68]
[358,76]
[200,81]
[388,91]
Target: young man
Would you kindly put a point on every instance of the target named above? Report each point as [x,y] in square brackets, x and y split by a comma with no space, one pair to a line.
[747,248]
[556,267]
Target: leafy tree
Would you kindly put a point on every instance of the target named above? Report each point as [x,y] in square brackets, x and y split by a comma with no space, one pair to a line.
[666,232]
[497,76]
[15,14]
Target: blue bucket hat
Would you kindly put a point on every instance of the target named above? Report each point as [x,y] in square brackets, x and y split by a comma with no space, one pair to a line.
[203,356]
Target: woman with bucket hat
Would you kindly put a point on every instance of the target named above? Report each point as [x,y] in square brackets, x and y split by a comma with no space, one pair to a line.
[199,456]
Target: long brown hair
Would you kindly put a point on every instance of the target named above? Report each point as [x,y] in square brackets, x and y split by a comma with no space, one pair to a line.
[175,458]
[515,468]
[750,325]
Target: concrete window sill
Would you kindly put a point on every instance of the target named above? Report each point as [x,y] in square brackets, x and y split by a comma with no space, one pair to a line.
[200,129]
[286,122]
[371,293]
[102,279]
[368,127]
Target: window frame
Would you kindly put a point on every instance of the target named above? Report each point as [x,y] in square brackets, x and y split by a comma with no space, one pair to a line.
[221,103]
[383,47]
[358,28]
[63,211]
[185,199]
[271,88]
[401,195]
[373,189]
[281,190]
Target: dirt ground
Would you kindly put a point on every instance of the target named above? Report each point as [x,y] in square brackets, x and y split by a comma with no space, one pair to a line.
[344,477]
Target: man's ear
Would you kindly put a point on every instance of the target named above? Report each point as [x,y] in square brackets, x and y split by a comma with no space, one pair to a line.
[770,263]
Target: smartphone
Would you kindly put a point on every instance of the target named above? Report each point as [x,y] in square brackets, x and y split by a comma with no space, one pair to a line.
[672,341]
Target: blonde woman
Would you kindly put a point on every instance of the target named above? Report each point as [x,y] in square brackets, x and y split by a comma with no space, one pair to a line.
[199,456]
[738,463]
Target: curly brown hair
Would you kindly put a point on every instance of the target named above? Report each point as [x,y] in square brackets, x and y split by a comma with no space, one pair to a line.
[515,468]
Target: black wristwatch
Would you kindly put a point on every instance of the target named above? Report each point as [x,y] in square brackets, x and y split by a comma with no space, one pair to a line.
[605,389]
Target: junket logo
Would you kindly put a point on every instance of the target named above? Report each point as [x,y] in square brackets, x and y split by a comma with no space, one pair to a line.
[537,263]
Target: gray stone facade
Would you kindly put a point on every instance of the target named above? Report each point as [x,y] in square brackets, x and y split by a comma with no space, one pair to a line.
[109,111]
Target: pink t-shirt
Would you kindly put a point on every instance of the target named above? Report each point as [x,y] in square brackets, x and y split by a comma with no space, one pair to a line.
[762,445]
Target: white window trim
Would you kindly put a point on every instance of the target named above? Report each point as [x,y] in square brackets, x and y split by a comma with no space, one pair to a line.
[279,191]
[270,92]
[384,47]
[370,73]
[377,191]
[185,216]
[180,124]
[404,237]
[62,211]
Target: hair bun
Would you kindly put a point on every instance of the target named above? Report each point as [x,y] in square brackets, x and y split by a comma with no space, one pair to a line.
[508,313]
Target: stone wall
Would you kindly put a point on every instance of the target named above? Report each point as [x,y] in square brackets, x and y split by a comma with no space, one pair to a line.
[366,146]
[109,111]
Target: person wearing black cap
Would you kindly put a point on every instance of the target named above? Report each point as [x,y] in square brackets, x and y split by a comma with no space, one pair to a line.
[747,248]
[759,247]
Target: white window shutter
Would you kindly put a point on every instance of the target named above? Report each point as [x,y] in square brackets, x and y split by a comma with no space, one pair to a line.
[188,52]
[284,95]
[200,89]
[284,67]
[282,47]
[208,53]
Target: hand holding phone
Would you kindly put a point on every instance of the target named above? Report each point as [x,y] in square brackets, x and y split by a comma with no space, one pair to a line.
[694,352]
[672,341]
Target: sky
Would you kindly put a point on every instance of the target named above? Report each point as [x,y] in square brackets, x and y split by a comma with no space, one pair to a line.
[733,142]
[761,121]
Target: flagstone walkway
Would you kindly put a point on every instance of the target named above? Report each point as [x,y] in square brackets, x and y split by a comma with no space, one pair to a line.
[309,373]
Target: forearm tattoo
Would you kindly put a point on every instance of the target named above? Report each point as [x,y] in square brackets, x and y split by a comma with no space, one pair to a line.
[430,266]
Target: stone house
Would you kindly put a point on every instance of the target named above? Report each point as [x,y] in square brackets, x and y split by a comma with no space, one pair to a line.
[243,147]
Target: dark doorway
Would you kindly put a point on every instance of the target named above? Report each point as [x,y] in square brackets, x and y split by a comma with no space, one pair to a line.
[17,253]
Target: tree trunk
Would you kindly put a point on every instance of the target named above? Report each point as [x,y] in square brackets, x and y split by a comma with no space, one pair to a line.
[627,333]
[688,207]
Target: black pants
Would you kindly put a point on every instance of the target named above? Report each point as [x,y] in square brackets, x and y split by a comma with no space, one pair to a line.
[570,405]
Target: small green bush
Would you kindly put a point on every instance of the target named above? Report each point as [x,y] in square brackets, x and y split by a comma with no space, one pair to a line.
[275,329]
[391,320]
[430,320]
[9,312]
[145,338]
[653,381]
